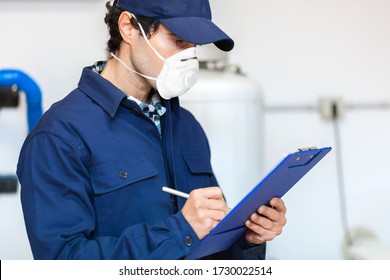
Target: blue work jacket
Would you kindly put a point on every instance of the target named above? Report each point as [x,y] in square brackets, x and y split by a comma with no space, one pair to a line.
[91,173]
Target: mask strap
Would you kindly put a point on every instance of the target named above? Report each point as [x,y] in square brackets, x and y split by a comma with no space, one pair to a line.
[147,40]
[131,70]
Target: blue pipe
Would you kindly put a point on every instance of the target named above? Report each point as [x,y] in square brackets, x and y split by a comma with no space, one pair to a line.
[11,77]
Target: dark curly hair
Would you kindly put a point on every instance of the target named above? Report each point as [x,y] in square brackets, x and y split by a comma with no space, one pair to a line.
[150,25]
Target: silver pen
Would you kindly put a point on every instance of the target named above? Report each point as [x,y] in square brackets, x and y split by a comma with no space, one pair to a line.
[178,193]
[175,192]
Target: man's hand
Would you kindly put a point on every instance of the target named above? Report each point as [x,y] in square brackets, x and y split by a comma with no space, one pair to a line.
[265,224]
[204,209]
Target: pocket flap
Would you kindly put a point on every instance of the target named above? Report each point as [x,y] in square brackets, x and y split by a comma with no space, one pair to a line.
[198,162]
[121,173]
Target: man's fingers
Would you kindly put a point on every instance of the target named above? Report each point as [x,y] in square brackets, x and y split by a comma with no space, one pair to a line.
[278,204]
[209,193]
[209,198]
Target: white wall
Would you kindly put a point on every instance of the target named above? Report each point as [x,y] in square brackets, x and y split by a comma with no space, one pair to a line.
[297,51]
[300,51]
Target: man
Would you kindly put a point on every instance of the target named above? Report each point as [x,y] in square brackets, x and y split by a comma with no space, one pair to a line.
[92,169]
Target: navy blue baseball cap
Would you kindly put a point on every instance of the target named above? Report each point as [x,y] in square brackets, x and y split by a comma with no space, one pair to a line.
[190,20]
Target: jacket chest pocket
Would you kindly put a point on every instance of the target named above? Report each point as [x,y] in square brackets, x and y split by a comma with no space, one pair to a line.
[117,175]
[200,170]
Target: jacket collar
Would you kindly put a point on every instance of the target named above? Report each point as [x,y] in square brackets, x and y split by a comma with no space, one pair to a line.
[108,96]
[100,90]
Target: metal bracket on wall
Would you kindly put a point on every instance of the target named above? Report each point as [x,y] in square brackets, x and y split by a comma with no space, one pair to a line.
[9,96]
[8,184]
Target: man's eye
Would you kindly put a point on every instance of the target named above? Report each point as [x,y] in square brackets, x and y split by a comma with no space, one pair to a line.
[179,42]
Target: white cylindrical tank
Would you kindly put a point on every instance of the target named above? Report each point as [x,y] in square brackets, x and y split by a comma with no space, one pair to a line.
[229,107]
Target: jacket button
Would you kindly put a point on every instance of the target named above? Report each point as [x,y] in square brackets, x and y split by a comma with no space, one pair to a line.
[188,240]
[123,174]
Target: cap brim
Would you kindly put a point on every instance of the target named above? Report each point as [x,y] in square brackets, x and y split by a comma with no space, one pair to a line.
[199,31]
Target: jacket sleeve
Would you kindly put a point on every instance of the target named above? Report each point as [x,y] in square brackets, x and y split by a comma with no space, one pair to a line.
[57,202]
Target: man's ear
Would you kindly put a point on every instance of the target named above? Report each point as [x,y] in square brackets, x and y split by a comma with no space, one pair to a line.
[125,26]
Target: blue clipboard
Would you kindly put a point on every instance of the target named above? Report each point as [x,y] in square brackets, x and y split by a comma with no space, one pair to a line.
[278,181]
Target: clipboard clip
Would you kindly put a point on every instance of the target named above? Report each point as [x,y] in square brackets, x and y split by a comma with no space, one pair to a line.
[304,156]
[307,149]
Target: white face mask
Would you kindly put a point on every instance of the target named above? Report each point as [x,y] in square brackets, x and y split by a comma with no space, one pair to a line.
[179,72]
